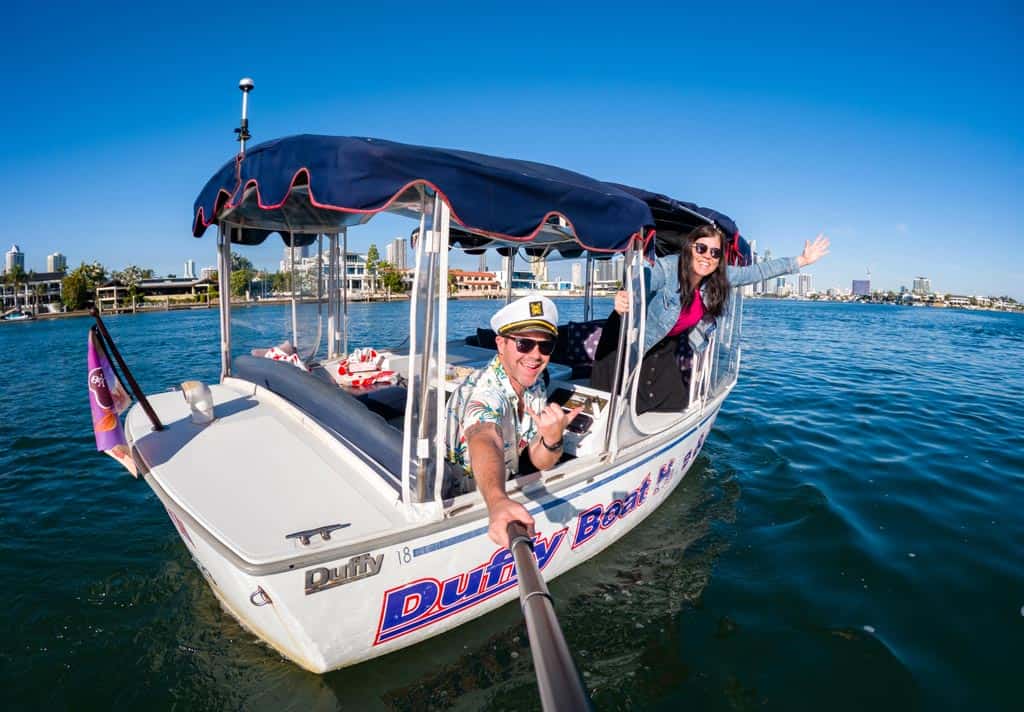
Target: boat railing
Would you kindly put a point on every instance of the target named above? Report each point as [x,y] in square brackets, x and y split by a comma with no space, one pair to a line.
[725,364]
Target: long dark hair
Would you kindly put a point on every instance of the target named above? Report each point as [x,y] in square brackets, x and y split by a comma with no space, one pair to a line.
[715,286]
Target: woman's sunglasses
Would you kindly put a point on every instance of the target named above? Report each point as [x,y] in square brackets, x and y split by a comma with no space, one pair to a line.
[700,248]
[525,345]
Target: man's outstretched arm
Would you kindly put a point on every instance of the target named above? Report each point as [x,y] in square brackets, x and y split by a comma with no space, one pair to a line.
[487,458]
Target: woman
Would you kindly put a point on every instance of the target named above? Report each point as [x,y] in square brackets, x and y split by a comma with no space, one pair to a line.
[684,296]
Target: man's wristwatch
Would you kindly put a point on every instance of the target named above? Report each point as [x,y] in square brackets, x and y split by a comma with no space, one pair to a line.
[552,448]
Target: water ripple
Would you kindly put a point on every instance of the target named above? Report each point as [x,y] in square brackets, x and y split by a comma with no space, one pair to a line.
[848,539]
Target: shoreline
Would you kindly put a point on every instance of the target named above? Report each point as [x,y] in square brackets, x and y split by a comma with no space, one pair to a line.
[192,306]
[1018,310]
[46,316]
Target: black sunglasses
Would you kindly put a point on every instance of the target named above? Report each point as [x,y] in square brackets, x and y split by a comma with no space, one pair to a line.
[525,345]
[700,248]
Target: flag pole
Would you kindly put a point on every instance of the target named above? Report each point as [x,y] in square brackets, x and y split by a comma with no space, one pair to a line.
[132,383]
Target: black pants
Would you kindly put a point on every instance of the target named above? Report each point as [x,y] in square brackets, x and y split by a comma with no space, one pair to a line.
[664,386]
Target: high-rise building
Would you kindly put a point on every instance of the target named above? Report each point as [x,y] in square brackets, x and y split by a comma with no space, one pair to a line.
[922,286]
[56,262]
[14,258]
[539,267]
[804,285]
[396,253]
[300,253]
[754,288]
[190,269]
[781,287]
[481,265]
[607,270]
[765,289]
[577,274]
[861,287]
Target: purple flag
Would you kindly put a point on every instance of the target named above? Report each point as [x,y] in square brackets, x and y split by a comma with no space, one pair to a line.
[107,399]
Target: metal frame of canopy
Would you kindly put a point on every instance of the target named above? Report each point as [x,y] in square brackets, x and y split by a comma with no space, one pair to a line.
[424,443]
[286,197]
[245,216]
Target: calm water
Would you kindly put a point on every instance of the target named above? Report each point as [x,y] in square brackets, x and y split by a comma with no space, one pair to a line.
[850,538]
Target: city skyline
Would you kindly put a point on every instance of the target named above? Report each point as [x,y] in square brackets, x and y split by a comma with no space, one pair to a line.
[552,270]
[869,142]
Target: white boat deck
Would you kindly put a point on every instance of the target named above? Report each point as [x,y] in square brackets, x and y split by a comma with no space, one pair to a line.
[257,474]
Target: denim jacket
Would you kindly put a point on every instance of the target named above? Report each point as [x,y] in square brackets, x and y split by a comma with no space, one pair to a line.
[663,305]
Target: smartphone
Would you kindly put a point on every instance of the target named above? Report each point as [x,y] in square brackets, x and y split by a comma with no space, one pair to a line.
[580,424]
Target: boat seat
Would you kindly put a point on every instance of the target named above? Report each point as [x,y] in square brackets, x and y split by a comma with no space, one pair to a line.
[387,401]
[346,417]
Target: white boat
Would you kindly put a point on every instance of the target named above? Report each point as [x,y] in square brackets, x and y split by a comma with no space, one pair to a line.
[317,513]
[17,315]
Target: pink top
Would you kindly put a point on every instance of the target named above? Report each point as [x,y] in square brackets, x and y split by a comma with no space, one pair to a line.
[689,317]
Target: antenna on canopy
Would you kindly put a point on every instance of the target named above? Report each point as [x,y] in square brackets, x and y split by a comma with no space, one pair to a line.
[245,84]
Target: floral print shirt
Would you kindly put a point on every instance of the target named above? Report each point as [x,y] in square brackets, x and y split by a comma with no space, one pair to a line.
[487,396]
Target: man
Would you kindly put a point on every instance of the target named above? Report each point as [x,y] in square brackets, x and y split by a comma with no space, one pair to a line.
[502,409]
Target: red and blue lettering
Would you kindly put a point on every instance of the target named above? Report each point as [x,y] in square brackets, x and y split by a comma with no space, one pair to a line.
[420,603]
[599,517]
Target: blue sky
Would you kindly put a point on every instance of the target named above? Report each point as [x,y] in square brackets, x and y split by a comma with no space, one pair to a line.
[895,130]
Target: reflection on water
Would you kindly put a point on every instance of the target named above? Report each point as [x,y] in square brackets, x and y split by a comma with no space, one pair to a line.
[849,538]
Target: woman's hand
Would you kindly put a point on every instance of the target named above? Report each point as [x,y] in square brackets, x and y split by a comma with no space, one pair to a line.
[813,251]
[622,302]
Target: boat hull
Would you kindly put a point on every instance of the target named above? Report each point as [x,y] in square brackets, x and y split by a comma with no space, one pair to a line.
[337,613]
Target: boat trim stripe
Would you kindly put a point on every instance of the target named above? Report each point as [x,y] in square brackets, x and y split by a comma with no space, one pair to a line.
[556,502]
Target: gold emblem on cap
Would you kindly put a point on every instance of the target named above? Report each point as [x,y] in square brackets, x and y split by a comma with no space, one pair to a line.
[536,309]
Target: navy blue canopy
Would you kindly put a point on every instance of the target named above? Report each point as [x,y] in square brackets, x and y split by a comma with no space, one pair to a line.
[673,219]
[317,184]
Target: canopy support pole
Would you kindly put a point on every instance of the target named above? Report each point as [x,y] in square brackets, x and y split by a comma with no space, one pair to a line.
[344,291]
[433,284]
[319,298]
[588,288]
[620,355]
[295,308]
[224,285]
[510,263]
[411,426]
[443,221]
[332,296]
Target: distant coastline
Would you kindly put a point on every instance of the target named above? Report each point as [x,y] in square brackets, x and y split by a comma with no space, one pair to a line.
[1013,307]
[277,301]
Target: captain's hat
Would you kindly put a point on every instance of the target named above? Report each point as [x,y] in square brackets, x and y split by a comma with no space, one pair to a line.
[529,313]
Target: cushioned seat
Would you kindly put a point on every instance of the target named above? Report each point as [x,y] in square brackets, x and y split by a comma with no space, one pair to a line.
[348,419]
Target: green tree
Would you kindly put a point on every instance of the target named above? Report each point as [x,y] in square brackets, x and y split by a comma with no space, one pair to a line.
[130,277]
[78,289]
[391,278]
[372,266]
[242,271]
[281,282]
[240,280]
[38,292]
[240,263]
[15,277]
[95,273]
